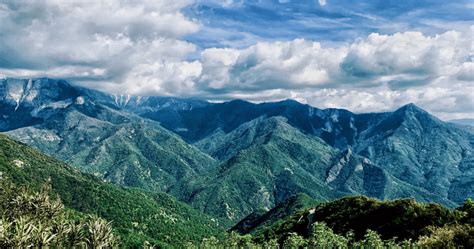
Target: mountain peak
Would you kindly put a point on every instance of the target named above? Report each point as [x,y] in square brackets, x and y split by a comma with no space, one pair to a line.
[290,102]
[45,86]
[411,107]
[410,114]
[35,92]
[41,81]
[238,102]
[414,111]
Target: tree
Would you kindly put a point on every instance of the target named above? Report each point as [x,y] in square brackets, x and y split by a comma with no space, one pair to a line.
[323,237]
[371,240]
[453,236]
[294,241]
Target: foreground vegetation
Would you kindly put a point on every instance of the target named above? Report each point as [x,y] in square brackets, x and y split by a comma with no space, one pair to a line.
[360,222]
[452,236]
[32,219]
[403,219]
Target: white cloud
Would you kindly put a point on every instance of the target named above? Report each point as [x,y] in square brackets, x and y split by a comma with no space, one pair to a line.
[288,65]
[174,78]
[400,60]
[322,2]
[466,71]
[445,102]
[107,40]
[408,55]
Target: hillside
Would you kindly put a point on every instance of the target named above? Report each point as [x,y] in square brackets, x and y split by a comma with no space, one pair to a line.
[137,216]
[268,161]
[401,219]
[353,222]
[416,147]
[100,139]
[410,145]
[278,163]
[261,219]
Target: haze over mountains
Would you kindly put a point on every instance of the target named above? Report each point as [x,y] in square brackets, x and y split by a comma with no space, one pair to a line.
[464,121]
[230,159]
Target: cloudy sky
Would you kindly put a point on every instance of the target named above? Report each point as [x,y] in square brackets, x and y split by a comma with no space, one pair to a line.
[367,55]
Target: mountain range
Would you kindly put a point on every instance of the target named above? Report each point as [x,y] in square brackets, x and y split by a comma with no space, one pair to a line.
[233,158]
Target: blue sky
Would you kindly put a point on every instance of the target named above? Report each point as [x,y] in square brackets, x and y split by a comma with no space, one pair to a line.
[242,23]
[361,55]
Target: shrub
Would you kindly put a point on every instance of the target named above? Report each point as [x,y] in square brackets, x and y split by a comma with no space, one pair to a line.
[323,237]
[33,219]
[452,236]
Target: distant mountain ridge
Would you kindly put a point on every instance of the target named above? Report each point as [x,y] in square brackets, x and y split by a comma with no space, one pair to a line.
[34,98]
[230,159]
[88,129]
[464,121]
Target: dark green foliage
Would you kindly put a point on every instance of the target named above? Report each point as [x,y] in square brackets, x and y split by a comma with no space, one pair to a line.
[321,236]
[451,236]
[137,216]
[259,219]
[468,207]
[399,219]
[404,218]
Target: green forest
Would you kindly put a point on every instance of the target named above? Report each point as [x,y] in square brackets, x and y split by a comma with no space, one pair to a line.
[35,219]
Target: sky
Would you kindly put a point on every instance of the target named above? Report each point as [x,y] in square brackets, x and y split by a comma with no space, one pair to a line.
[365,56]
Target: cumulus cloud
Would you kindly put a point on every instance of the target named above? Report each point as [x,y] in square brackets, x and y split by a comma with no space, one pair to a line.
[407,58]
[109,40]
[287,65]
[466,71]
[400,60]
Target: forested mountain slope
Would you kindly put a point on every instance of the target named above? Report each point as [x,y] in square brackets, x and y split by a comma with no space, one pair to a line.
[137,216]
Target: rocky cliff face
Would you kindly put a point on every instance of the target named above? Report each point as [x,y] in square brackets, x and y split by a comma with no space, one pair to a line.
[28,102]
